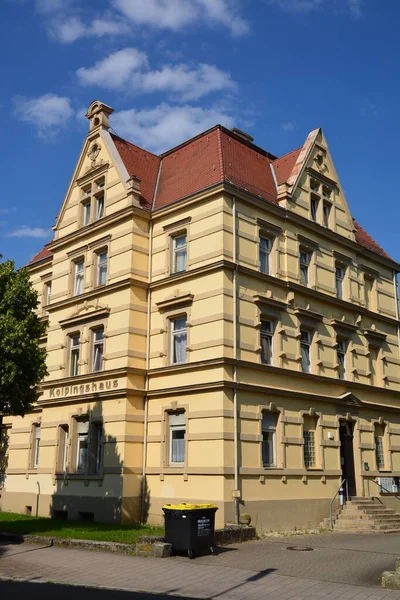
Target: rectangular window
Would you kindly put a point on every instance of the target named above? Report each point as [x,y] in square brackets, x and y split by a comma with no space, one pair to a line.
[96,447]
[100,206]
[102,259]
[305,351]
[82,445]
[326,213]
[339,277]
[368,287]
[79,276]
[341,358]
[36,446]
[305,259]
[75,347]
[63,448]
[47,295]
[314,208]
[177,431]
[373,363]
[309,435]
[269,424]
[178,341]
[179,253]
[86,212]
[379,447]
[264,251]
[266,342]
[98,349]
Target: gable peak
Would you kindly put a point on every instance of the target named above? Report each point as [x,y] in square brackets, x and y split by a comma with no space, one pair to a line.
[98,114]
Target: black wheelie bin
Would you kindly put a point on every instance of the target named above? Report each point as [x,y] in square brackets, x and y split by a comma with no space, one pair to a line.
[190,527]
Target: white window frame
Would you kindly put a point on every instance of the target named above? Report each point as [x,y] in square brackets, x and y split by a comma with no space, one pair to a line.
[309,448]
[86,210]
[326,209]
[174,334]
[267,329]
[74,351]
[36,445]
[79,276]
[172,429]
[341,351]
[340,274]
[100,201]
[177,251]
[304,264]
[102,267]
[305,342]
[270,430]
[82,437]
[314,208]
[96,345]
[264,254]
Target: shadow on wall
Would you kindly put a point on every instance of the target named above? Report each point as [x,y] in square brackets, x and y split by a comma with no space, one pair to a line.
[3,457]
[88,471]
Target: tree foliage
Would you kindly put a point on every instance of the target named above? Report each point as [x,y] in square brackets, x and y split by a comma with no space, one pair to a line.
[22,361]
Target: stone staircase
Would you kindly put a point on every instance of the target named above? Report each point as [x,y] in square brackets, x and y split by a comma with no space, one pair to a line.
[363,515]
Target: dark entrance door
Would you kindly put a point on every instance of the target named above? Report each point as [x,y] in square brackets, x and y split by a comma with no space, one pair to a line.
[347,455]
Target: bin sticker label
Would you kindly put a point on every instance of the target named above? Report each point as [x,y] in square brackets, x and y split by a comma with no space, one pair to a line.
[203,527]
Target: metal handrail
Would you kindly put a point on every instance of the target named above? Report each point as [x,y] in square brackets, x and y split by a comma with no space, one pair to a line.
[334,498]
[380,486]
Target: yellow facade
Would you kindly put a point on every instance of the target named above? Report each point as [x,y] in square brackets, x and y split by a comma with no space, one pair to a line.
[185,406]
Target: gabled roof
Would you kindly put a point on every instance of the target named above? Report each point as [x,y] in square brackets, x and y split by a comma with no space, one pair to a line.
[218,155]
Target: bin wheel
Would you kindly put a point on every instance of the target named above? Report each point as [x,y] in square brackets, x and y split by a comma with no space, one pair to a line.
[212,551]
[191,554]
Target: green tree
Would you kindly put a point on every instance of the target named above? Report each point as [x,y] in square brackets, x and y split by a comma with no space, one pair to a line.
[22,361]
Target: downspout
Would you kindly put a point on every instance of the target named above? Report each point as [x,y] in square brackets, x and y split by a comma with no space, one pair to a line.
[146,400]
[235,394]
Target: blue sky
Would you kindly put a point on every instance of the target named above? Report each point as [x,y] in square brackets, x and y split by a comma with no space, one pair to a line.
[173,68]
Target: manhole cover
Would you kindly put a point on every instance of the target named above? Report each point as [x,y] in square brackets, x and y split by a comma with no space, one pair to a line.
[300,548]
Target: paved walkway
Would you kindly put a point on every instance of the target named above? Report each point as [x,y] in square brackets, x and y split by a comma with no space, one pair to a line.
[339,566]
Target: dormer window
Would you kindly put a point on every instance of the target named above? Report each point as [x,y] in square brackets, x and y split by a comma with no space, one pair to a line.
[93,202]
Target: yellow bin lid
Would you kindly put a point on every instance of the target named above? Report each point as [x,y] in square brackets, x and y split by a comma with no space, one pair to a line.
[185,506]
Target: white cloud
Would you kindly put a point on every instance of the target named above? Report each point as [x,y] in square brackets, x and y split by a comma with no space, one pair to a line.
[288,126]
[48,113]
[8,211]
[113,71]
[177,14]
[158,129]
[354,7]
[127,68]
[30,232]
[71,29]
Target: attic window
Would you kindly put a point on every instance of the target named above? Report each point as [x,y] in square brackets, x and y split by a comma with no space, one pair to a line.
[326,191]
[314,185]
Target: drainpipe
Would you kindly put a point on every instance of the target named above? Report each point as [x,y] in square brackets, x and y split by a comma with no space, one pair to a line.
[37,498]
[396,296]
[235,394]
[146,400]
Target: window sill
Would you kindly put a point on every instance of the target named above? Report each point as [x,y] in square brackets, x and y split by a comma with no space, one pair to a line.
[80,476]
[313,469]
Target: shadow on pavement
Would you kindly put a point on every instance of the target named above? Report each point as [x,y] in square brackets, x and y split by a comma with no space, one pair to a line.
[48,591]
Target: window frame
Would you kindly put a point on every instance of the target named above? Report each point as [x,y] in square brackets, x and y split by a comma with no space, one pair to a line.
[99,266]
[304,266]
[79,276]
[341,351]
[314,203]
[172,428]
[176,250]
[264,254]
[273,432]
[339,281]
[306,344]
[86,211]
[174,333]
[326,213]
[267,334]
[73,348]
[37,432]
[95,344]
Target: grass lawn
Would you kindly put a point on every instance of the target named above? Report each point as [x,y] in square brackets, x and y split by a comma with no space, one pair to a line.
[126,534]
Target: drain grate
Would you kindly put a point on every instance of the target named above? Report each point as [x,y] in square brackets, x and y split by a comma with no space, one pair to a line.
[300,548]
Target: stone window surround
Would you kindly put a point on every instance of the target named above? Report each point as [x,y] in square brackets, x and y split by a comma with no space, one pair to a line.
[386,444]
[173,230]
[173,407]
[319,451]
[279,436]
[85,330]
[93,181]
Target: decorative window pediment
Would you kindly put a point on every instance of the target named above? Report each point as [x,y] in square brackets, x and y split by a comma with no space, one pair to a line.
[350,399]
[343,328]
[308,317]
[375,338]
[176,301]
[85,313]
[269,306]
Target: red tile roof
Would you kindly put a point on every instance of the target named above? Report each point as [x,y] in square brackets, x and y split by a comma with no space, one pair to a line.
[44,253]
[212,157]
[364,239]
[283,166]
[141,164]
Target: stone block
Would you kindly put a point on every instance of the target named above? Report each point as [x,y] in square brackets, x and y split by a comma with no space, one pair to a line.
[161,550]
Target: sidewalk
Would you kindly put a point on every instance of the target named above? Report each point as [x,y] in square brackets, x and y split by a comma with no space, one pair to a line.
[208,577]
